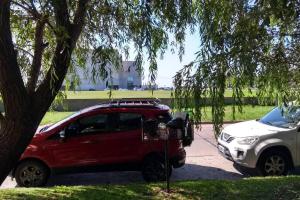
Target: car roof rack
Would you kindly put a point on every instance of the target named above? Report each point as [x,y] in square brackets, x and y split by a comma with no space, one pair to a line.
[136,101]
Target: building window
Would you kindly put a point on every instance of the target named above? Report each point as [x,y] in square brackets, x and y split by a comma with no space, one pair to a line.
[130,84]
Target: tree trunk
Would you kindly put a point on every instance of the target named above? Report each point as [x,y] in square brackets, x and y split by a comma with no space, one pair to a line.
[25,110]
[14,138]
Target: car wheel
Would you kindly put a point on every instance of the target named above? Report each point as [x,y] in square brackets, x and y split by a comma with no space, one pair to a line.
[31,174]
[273,163]
[153,169]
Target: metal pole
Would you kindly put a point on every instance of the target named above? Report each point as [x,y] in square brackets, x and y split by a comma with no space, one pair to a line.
[167,162]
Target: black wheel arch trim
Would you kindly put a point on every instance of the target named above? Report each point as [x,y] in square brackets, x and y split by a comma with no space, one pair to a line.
[30,159]
[160,155]
[281,148]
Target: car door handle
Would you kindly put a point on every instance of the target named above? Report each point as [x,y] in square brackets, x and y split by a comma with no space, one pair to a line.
[89,142]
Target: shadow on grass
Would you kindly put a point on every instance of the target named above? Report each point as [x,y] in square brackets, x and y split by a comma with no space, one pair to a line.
[253,188]
[187,172]
[129,185]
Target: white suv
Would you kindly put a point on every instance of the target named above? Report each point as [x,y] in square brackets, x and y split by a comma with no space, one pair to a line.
[271,144]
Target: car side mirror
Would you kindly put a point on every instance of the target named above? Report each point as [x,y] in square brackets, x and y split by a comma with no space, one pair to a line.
[62,135]
[150,127]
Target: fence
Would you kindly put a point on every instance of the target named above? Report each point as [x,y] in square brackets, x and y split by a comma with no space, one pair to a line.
[78,104]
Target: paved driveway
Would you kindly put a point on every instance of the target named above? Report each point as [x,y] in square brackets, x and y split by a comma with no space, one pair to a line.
[203,162]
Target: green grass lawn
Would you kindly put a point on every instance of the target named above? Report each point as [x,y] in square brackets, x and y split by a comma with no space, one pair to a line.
[252,188]
[130,94]
[249,112]
[52,117]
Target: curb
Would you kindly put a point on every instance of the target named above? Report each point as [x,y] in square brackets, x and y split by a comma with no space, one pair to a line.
[226,122]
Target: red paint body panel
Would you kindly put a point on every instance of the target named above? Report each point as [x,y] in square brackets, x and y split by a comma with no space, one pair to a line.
[111,147]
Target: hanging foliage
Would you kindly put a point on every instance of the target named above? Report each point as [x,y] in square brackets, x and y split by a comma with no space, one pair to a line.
[245,44]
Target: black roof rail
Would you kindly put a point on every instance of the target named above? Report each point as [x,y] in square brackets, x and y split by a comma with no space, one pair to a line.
[136,101]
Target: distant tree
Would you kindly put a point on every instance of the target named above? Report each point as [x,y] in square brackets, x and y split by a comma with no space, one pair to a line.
[244,43]
[42,40]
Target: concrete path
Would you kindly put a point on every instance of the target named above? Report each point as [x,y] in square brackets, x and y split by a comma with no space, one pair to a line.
[203,162]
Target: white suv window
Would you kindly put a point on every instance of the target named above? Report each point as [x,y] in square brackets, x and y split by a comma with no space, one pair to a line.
[285,117]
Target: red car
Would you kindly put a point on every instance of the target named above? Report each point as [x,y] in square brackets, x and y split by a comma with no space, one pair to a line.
[107,137]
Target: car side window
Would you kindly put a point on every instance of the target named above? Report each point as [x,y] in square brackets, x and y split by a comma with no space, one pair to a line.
[129,121]
[89,125]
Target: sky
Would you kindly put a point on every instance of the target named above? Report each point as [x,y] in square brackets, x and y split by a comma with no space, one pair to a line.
[170,64]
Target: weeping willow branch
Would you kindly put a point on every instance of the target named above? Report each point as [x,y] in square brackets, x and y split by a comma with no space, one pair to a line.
[30,9]
[24,50]
[244,45]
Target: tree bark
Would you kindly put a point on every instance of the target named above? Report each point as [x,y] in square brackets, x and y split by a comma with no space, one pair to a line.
[25,108]
[38,54]
[15,135]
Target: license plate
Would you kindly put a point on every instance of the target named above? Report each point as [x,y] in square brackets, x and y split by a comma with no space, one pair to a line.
[221,149]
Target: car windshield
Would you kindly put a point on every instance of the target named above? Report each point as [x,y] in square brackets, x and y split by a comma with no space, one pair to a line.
[63,121]
[284,117]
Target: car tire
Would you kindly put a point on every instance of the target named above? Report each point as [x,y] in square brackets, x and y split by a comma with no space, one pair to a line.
[31,173]
[273,163]
[153,169]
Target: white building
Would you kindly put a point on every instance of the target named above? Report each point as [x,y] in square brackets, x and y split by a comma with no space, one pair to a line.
[126,77]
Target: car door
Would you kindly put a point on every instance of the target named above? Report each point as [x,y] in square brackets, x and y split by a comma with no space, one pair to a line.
[123,143]
[80,147]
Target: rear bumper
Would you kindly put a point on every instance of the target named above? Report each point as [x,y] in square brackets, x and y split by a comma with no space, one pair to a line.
[178,160]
